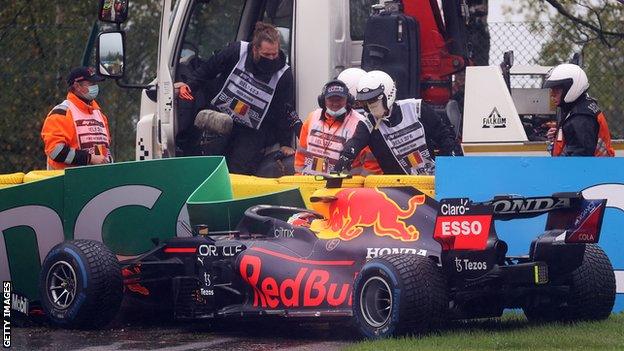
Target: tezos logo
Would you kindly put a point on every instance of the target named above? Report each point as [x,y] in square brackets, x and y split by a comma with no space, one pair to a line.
[466,265]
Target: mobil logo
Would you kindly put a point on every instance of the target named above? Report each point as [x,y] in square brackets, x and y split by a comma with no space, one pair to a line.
[301,283]
[355,209]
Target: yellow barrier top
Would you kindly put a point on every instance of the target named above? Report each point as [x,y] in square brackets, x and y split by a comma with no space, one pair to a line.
[34,176]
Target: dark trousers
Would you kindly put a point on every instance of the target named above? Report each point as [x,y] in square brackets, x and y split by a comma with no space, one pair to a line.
[187,138]
[245,149]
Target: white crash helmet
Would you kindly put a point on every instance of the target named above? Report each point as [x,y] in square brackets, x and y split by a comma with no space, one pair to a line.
[571,78]
[351,77]
[374,84]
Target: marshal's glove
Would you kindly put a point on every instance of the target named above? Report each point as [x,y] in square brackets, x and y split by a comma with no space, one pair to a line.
[345,160]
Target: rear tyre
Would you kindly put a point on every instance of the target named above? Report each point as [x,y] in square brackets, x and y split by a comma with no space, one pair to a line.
[592,292]
[399,294]
[80,285]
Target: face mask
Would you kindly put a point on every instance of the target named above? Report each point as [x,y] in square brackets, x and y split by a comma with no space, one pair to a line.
[377,109]
[338,113]
[268,66]
[92,93]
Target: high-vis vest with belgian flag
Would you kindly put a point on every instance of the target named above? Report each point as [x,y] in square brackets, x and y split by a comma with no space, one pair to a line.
[407,141]
[325,142]
[244,97]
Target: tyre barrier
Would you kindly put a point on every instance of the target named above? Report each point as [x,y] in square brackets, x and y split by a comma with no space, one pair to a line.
[11,179]
[34,176]
[247,186]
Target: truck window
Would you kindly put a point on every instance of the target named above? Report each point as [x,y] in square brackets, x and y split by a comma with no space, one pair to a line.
[359,10]
[280,14]
[212,25]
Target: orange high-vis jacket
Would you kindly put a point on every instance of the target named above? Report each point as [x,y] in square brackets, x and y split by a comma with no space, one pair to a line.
[363,164]
[59,130]
[603,145]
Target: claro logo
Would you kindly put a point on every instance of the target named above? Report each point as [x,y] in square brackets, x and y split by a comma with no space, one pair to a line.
[310,287]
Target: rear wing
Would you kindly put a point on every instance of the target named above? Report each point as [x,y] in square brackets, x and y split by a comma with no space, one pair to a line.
[579,218]
[463,224]
[507,207]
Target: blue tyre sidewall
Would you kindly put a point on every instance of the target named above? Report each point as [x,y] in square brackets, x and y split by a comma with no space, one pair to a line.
[70,254]
[383,270]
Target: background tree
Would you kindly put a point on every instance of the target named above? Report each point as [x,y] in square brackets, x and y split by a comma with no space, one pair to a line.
[40,42]
[595,29]
[478,31]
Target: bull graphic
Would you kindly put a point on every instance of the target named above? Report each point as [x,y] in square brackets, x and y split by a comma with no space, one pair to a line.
[352,210]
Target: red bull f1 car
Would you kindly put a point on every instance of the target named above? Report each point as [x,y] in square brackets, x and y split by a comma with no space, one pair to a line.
[388,260]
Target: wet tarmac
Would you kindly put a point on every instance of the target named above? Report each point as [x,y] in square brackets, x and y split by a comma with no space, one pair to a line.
[261,335]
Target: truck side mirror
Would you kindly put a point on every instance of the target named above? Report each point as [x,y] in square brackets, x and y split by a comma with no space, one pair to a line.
[110,54]
[113,11]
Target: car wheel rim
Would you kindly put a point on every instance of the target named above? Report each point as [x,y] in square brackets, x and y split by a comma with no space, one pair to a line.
[61,283]
[376,302]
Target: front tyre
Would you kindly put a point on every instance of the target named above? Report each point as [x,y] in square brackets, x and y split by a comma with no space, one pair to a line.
[398,294]
[80,285]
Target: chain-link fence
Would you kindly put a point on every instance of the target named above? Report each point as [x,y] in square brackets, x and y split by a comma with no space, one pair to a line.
[548,43]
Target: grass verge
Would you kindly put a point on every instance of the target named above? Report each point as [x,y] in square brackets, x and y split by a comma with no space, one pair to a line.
[511,332]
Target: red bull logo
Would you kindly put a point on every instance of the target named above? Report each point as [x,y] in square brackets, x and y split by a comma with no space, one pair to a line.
[356,209]
[310,286]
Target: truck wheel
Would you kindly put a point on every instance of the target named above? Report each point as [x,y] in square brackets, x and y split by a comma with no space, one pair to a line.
[592,292]
[398,294]
[80,285]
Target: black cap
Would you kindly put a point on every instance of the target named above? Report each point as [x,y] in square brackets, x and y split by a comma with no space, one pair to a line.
[83,73]
[336,88]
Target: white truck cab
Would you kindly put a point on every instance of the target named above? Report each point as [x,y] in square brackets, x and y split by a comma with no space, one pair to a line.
[320,39]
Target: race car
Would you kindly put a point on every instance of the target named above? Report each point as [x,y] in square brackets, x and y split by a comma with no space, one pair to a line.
[389,261]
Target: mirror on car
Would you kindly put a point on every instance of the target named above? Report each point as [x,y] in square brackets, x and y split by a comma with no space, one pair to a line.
[113,11]
[110,54]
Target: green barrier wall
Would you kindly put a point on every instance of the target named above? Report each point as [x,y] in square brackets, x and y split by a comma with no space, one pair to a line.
[124,205]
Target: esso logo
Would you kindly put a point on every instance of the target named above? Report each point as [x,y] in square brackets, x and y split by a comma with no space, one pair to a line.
[455,228]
